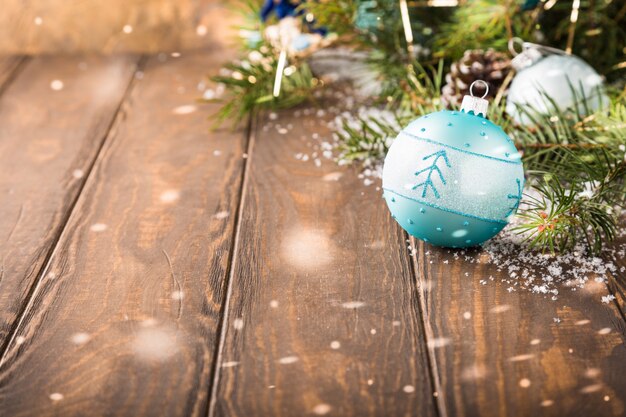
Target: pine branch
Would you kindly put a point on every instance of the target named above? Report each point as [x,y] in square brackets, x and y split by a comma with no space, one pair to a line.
[554,135]
[249,87]
[559,146]
[483,22]
[577,169]
[336,15]
[366,137]
[562,214]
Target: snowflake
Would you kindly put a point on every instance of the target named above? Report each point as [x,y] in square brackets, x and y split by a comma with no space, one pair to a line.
[608,298]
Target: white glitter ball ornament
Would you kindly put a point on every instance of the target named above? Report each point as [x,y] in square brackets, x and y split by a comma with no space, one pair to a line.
[547,77]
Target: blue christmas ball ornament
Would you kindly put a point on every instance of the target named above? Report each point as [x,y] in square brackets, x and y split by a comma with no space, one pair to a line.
[453,178]
[548,77]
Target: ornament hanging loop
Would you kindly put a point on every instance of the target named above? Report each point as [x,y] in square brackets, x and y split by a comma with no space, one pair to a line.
[528,54]
[545,50]
[485,85]
[516,42]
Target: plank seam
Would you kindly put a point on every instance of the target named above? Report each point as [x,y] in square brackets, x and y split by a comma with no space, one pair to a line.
[13,74]
[34,288]
[615,290]
[427,333]
[222,325]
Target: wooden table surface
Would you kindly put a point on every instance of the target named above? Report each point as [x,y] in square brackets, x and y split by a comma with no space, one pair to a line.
[153,267]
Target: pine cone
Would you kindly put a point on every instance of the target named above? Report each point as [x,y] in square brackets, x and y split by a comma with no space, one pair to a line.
[489,66]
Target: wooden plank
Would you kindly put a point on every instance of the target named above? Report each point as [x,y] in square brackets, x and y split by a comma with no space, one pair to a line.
[322,311]
[123,321]
[518,353]
[49,138]
[59,26]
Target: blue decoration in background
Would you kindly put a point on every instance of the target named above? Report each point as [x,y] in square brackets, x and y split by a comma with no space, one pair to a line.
[288,8]
[282,9]
[470,179]
[367,15]
[530,4]
[301,42]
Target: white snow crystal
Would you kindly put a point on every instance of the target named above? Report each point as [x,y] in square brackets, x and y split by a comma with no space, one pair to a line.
[608,298]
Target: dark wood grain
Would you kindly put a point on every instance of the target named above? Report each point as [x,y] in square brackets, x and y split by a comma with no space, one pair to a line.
[501,353]
[48,142]
[123,321]
[8,69]
[322,311]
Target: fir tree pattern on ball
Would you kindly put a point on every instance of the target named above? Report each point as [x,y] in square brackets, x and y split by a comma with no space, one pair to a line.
[548,77]
[430,169]
[453,178]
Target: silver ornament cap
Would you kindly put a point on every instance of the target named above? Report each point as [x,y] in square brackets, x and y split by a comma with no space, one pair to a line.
[476,105]
[529,54]
[525,59]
